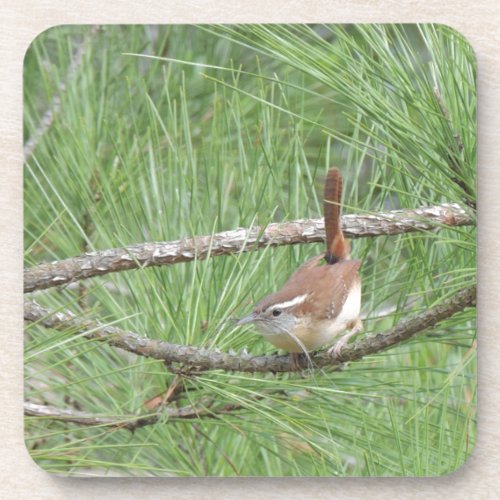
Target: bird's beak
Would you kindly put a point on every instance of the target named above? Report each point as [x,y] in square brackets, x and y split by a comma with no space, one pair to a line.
[247,319]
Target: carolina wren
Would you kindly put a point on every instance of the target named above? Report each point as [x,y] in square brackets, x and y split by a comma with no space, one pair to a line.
[318,302]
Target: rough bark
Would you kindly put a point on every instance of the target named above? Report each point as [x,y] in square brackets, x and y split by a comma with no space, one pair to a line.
[240,240]
[205,359]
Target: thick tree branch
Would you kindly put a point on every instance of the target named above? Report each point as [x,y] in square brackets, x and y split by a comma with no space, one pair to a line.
[205,359]
[240,240]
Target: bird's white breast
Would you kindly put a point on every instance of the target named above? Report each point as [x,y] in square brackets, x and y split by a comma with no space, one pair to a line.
[352,305]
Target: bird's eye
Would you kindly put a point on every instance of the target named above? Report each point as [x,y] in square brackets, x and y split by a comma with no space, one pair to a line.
[276,312]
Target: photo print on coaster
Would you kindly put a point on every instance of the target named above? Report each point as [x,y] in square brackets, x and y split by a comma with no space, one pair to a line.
[250,250]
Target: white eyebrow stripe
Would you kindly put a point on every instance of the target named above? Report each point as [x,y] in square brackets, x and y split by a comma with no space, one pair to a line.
[290,303]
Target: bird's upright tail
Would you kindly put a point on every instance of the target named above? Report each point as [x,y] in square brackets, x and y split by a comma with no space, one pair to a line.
[337,247]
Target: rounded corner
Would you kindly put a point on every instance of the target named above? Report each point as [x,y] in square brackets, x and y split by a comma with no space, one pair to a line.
[30,456]
[39,36]
[459,467]
[458,34]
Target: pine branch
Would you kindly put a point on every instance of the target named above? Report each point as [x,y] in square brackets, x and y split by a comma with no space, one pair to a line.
[129,422]
[240,240]
[205,359]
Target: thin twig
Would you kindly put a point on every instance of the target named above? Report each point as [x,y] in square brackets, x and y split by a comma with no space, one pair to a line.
[137,256]
[205,408]
[205,359]
[129,422]
[54,107]
[172,392]
[469,198]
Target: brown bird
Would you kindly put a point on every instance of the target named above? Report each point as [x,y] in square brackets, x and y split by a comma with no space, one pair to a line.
[319,302]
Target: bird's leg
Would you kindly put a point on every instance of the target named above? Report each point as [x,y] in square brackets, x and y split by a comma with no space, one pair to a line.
[354,327]
[294,361]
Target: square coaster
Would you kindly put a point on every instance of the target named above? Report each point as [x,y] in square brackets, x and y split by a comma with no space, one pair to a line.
[250,250]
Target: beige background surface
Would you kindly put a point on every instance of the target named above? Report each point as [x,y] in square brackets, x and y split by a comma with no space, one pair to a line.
[21,21]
